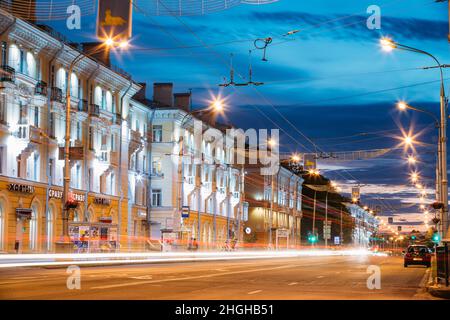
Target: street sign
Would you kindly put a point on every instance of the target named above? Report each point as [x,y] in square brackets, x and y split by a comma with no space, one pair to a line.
[390,220]
[309,162]
[399,228]
[185,211]
[75,153]
[327,232]
[356,194]
[114,20]
[337,240]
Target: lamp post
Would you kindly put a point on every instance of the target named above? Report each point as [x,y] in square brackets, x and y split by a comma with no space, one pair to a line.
[389,45]
[402,105]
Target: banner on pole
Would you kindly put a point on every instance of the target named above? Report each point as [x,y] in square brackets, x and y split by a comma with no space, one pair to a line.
[114,20]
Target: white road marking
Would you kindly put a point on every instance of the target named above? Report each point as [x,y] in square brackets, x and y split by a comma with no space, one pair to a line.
[253,292]
[190,278]
[149,277]
[320,277]
[292,283]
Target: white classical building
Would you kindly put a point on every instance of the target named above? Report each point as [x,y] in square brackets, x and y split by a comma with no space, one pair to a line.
[365,225]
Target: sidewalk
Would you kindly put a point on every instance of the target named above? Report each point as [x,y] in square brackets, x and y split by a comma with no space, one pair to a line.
[438,290]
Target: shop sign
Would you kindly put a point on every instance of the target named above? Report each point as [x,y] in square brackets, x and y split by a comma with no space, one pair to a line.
[15,187]
[105,219]
[58,194]
[102,201]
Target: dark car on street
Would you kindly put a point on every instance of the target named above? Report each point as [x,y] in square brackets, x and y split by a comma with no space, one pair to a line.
[417,255]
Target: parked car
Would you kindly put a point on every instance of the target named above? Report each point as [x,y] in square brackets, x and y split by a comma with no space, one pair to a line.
[417,255]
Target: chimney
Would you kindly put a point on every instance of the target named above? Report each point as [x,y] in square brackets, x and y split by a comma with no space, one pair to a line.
[98,51]
[182,101]
[140,95]
[162,94]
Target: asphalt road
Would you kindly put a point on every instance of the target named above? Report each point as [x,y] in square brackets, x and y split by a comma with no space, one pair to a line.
[334,277]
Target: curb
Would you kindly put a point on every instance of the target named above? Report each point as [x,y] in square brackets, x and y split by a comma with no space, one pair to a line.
[436,290]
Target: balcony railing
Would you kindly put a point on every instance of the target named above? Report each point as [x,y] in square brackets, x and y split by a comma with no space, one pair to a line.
[83,106]
[94,110]
[7,73]
[56,95]
[41,88]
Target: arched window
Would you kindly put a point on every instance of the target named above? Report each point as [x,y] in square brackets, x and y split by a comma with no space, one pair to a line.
[34,228]
[50,228]
[76,216]
[61,79]
[2,226]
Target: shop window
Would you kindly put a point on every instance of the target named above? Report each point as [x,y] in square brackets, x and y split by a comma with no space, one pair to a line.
[50,229]
[33,229]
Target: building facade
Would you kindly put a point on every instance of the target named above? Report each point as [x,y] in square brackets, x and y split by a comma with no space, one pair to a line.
[108,142]
[196,192]
[275,207]
[365,225]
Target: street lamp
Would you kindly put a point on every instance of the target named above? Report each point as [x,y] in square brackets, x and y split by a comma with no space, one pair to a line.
[388,45]
[412,159]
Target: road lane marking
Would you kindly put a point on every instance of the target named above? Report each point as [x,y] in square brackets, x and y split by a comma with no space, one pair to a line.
[190,278]
[254,292]
[142,277]
[320,277]
[292,283]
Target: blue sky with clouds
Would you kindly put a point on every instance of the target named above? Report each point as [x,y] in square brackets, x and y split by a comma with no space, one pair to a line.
[330,82]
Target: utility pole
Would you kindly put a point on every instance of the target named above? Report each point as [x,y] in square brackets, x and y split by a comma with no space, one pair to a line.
[326,221]
[272,195]
[314,216]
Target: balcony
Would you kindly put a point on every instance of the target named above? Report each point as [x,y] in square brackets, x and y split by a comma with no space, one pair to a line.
[135,136]
[7,74]
[29,133]
[41,88]
[83,106]
[117,119]
[94,110]
[56,95]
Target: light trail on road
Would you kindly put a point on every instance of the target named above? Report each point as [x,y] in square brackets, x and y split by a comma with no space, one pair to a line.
[40,260]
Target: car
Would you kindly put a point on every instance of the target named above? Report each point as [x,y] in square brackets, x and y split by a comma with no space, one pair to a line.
[417,255]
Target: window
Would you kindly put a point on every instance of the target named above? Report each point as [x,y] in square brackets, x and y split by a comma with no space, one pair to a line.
[3,108]
[2,157]
[91,138]
[91,179]
[36,167]
[3,54]
[78,131]
[78,176]
[22,113]
[51,170]
[2,227]
[36,116]
[156,197]
[156,166]
[49,228]
[113,142]
[157,133]
[112,183]
[33,236]
[52,125]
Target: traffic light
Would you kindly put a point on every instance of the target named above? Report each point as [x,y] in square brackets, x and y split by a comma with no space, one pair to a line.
[413,238]
[436,238]
[312,238]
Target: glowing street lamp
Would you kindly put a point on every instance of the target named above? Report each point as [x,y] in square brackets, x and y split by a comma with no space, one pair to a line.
[387,44]
[412,159]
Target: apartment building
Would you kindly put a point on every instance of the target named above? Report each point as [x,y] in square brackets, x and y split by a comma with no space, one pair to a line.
[365,224]
[108,144]
[275,207]
[196,192]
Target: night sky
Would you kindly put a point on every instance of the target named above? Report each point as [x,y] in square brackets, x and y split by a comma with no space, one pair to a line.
[330,82]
